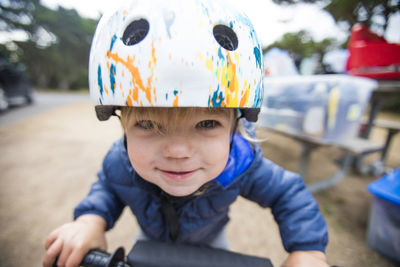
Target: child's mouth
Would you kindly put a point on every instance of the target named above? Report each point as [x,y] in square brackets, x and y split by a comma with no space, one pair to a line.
[181,175]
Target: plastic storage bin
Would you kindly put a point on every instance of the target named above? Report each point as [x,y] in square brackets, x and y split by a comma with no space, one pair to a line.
[383,232]
[326,107]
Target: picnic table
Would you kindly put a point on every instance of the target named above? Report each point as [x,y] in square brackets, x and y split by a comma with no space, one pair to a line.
[385,90]
[321,111]
[351,148]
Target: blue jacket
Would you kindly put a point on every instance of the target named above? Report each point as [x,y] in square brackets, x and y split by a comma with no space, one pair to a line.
[248,174]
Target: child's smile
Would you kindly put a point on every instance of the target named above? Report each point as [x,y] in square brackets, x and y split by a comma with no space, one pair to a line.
[180,159]
[178,175]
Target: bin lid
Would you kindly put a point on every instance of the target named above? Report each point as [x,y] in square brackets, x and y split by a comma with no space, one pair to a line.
[387,187]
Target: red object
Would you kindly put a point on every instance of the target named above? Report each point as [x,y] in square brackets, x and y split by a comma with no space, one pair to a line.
[372,56]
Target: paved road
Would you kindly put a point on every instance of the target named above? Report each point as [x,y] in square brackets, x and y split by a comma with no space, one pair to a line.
[42,102]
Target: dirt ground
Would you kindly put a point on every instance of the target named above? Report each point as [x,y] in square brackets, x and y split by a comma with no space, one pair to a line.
[47,163]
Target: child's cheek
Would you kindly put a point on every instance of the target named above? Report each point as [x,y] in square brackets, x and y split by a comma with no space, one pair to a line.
[138,154]
[218,152]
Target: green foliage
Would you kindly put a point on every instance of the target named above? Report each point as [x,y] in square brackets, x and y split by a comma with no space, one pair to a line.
[16,14]
[364,11]
[301,45]
[291,2]
[350,12]
[57,51]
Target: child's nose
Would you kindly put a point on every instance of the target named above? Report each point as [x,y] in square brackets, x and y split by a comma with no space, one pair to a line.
[178,147]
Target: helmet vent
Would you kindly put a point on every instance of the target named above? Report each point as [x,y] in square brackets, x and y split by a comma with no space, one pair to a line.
[226,37]
[136,32]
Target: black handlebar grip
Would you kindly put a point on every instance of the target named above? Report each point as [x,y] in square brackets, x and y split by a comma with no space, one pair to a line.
[98,258]
[95,258]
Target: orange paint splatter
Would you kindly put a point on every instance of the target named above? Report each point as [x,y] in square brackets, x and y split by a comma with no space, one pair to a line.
[233,87]
[136,78]
[155,95]
[245,97]
[176,100]
[226,74]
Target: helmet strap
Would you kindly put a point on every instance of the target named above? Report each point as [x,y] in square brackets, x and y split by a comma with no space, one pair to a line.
[234,129]
[114,113]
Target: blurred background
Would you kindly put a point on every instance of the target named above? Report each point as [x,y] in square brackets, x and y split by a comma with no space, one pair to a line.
[49,40]
[52,145]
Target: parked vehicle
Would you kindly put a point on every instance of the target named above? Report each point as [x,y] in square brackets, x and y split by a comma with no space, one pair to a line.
[15,86]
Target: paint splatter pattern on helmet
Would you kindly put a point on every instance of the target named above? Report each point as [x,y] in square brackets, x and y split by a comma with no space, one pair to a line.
[179,63]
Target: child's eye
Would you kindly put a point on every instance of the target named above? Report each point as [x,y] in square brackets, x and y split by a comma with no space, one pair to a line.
[207,124]
[146,124]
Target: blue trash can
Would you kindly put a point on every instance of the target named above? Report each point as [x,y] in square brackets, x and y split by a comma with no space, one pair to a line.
[383,232]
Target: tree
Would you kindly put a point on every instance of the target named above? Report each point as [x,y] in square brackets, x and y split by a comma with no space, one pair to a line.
[68,56]
[56,51]
[17,14]
[349,12]
[301,45]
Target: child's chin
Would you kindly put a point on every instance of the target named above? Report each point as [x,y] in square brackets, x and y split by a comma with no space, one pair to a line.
[180,192]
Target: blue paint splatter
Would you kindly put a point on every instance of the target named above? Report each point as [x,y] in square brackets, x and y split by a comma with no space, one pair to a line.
[231,25]
[205,10]
[166,96]
[176,92]
[113,41]
[214,102]
[244,20]
[220,55]
[100,80]
[112,77]
[257,54]
[258,96]
[169,18]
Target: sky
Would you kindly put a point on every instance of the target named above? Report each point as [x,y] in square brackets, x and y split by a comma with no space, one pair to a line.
[270,21]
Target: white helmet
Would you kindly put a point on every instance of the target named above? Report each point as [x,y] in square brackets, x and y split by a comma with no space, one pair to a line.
[191,53]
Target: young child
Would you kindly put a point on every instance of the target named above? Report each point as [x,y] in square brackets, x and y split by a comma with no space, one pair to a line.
[185,77]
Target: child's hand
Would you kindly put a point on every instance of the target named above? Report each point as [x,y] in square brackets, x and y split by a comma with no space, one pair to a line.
[72,241]
[306,259]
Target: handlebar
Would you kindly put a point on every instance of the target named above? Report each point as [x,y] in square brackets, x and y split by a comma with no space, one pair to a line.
[98,258]
[157,254]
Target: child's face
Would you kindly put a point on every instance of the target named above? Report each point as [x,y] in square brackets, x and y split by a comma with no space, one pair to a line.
[180,160]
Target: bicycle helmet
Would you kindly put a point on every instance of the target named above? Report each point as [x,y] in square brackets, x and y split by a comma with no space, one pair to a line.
[192,53]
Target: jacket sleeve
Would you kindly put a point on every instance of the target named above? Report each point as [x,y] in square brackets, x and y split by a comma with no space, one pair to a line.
[101,199]
[301,224]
